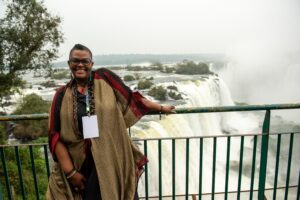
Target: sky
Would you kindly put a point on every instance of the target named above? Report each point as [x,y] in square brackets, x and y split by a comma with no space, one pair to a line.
[260,38]
[171,26]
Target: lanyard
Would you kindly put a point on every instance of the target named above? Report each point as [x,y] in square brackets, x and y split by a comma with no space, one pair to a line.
[87,102]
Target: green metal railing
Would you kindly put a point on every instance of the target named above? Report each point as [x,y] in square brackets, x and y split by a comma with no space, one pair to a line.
[226,192]
[259,140]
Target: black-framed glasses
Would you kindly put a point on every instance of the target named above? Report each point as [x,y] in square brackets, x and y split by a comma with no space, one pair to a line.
[76,61]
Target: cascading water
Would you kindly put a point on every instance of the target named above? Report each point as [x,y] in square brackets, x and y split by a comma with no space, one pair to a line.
[208,91]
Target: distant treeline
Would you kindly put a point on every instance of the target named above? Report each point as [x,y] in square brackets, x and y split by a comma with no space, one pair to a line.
[127,59]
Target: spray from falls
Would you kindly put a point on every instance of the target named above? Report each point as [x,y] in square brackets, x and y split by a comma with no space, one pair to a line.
[210,91]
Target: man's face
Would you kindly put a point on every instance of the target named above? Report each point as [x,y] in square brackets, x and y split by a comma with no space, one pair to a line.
[80,64]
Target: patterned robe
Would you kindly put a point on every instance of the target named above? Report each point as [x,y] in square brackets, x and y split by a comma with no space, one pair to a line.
[116,157]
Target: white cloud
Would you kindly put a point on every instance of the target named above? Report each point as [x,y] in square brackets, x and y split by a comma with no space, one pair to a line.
[171,26]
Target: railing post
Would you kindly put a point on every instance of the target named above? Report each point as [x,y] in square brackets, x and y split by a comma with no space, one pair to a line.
[298,192]
[253,167]
[8,189]
[264,155]
[214,169]
[146,170]
[289,167]
[1,192]
[173,170]
[227,167]
[159,171]
[47,160]
[240,168]
[277,166]
[187,160]
[200,168]
[34,173]
[20,172]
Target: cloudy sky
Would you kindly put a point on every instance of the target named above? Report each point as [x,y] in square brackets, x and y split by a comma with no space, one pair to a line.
[259,37]
[174,26]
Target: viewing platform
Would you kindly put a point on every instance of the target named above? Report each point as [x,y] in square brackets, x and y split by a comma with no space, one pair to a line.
[267,164]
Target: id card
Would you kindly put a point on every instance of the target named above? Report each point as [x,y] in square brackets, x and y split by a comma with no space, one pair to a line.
[90,127]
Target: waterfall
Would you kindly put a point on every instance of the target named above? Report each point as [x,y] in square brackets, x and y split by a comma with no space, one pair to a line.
[204,92]
[210,91]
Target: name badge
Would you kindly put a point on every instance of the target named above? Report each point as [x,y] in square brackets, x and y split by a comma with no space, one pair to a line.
[90,127]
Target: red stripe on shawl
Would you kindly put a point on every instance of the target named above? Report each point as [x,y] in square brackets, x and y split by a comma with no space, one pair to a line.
[54,140]
[53,137]
[142,162]
[138,106]
[117,86]
[96,76]
[136,103]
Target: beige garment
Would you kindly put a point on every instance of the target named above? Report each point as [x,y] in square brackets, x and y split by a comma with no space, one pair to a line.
[114,155]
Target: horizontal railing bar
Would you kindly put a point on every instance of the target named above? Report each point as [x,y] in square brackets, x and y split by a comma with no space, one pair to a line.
[216,193]
[208,136]
[166,138]
[24,117]
[24,145]
[237,108]
[178,111]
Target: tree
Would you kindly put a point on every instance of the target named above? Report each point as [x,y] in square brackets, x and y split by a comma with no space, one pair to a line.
[31,129]
[191,68]
[129,78]
[144,84]
[29,38]
[159,93]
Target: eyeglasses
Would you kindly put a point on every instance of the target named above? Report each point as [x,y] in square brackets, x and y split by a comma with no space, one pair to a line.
[76,61]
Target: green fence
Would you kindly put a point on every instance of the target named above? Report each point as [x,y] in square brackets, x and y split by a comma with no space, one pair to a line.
[256,189]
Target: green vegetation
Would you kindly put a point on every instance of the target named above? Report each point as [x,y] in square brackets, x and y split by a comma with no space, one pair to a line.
[157,66]
[159,93]
[49,84]
[12,169]
[191,68]
[129,78]
[152,67]
[150,78]
[172,87]
[168,70]
[117,67]
[60,74]
[184,67]
[174,95]
[3,135]
[134,68]
[31,104]
[31,129]
[30,37]
[144,84]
